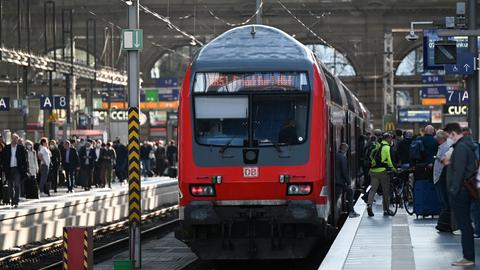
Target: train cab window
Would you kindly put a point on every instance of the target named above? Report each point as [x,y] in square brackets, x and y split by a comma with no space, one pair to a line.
[279,119]
[221,120]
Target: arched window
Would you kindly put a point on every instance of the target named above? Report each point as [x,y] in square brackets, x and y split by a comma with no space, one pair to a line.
[336,62]
[412,64]
[173,63]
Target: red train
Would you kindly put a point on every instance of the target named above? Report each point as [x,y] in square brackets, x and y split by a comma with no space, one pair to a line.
[260,119]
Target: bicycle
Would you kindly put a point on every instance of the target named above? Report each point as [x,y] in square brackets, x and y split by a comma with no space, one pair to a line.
[401,191]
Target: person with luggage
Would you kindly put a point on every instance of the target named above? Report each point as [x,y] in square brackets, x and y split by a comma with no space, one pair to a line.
[444,223]
[381,161]
[342,179]
[70,164]
[16,168]
[55,162]
[44,156]
[462,167]
[109,157]
[371,145]
[30,182]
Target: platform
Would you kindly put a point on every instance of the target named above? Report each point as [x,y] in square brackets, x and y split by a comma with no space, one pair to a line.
[399,242]
[39,219]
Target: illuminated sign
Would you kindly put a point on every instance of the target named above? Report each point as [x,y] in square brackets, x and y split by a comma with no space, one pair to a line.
[414,116]
[455,109]
[234,82]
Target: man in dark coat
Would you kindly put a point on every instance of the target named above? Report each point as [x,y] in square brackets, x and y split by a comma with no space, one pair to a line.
[342,178]
[172,152]
[160,157]
[121,164]
[462,167]
[70,164]
[87,160]
[403,150]
[16,167]
[55,163]
[430,145]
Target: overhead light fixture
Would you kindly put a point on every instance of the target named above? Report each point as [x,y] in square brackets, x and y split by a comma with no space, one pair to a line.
[129,2]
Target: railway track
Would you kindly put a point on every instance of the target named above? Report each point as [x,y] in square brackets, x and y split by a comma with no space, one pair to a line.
[108,238]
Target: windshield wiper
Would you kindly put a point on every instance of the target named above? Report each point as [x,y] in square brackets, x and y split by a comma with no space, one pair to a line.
[226,146]
[277,147]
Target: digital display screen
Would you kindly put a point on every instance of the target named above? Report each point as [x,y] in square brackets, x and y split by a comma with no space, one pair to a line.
[258,81]
[414,116]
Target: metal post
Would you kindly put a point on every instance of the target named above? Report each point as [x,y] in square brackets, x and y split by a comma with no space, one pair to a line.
[134,142]
[472,80]
[51,125]
[259,14]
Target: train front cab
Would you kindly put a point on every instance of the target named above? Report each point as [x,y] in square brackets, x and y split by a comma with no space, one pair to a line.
[246,192]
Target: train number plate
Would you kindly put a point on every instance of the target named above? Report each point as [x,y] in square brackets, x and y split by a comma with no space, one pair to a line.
[250,172]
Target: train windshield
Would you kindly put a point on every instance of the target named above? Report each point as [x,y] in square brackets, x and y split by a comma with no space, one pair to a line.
[251,109]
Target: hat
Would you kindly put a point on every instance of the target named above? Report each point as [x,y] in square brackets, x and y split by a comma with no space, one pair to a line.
[387,135]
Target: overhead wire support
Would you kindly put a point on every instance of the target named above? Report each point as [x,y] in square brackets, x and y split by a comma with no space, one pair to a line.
[305,26]
[235,24]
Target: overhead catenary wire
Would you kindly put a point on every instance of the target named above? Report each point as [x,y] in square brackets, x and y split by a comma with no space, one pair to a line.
[166,20]
[306,27]
[235,24]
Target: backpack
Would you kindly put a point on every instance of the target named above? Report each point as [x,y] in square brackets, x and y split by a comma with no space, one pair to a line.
[416,150]
[376,157]
[368,151]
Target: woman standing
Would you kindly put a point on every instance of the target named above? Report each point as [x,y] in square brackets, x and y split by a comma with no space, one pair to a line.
[29,185]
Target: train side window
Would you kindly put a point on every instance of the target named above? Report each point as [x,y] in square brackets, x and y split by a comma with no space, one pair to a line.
[351,107]
[334,91]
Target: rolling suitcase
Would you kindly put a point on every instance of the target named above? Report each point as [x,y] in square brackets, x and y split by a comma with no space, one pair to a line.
[172,172]
[425,200]
[31,188]
[5,195]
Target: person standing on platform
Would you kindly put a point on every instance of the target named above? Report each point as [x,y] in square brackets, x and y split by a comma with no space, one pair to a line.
[342,179]
[462,166]
[172,152]
[475,206]
[145,150]
[16,167]
[371,145]
[110,157]
[160,158]
[430,147]
[379,173]
[32,168]
[55,162]
[98,170]
[44,156]
[2,170]
[121,163]
[70,164]
[439,180]
[87,159]
[403,150]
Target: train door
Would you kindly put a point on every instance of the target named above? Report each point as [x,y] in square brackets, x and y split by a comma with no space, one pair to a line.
[335,136]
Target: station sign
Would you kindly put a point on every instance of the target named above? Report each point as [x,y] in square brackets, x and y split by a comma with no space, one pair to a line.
[445,52]
[458,109]
[117,115]
[132,39]
[466,64]
[414,116]
[457,97]
[433,95]
[4,104]
[433,79]
[55,102]
[166,82]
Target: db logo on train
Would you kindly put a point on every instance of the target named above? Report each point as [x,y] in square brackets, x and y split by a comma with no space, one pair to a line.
[250,172]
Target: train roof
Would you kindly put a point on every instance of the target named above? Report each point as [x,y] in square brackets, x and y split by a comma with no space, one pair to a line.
[256,47]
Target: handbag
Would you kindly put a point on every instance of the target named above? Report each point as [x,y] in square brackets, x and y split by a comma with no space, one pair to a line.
[471,186]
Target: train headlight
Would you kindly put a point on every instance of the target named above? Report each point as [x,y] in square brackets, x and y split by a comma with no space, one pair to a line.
[202,190]
[299,189]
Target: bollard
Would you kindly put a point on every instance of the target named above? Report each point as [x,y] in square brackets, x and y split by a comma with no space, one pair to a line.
[78,248]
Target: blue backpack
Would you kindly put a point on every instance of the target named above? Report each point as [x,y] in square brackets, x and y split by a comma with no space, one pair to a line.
[416,150]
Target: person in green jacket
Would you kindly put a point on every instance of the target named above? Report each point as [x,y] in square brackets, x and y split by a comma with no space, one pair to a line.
[379,175]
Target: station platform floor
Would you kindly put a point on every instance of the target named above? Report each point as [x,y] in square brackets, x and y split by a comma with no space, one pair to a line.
[401,242]
[38,219]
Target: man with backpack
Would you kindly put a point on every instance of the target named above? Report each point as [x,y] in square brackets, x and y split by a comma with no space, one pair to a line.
[371,145]
[381,165]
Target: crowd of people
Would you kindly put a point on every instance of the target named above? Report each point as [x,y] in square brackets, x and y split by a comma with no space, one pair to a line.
[449,158]
[31,170]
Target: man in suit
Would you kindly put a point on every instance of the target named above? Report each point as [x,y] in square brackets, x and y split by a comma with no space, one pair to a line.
[87,160]
[70,164]
[16,167]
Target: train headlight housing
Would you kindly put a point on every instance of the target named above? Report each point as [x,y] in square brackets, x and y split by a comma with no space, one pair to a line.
[299,189]
[202,190]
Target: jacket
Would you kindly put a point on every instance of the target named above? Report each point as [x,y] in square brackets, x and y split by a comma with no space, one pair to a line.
[73,158]
[20,154]
[431,147]
[462,164]
[385,157]
[82,154]
[342,173]
[403,151]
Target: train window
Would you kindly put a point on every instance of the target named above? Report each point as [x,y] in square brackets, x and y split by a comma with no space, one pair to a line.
[279,119]
[334,91]
[221,120]
[350,100]
[214,82]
